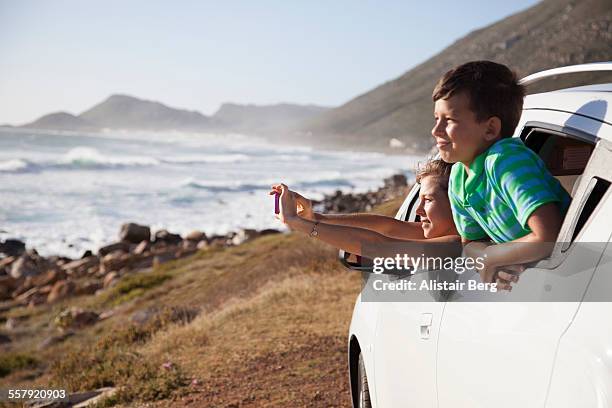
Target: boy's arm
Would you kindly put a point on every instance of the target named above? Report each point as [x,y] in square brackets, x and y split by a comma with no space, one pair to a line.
[545,223]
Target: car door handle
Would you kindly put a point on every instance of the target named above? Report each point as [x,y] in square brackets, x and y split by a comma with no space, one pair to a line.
[426,320]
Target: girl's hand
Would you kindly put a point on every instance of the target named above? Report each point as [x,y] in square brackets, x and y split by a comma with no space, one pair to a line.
[303,205]
[288,205]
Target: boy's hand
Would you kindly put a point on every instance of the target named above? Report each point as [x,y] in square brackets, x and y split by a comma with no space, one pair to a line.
[487,272]
[508,275]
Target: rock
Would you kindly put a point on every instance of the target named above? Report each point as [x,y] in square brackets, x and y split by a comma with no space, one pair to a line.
[202,245]
[142,247]
[12,247]
[87,254]
[396,181]
[134,233]
[11,323]
[117,246]
[80,266]
[218,241]
[76,318]
[61,290]
[88,288]
[26,296]
[48,278]
[167,237]
[51,340]
[110,279]
[268,231]
[79,400]
[188,246]
[115,261]
[4,339]
[6,262]
[195,236]
[244,235]
[7,285]
[29,264]
[163,258]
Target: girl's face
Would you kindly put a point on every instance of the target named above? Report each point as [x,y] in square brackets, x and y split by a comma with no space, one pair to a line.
[434,209]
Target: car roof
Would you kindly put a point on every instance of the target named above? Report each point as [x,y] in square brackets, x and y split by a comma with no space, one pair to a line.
[593,101]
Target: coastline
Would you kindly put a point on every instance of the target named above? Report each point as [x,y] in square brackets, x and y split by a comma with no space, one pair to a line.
[29,279]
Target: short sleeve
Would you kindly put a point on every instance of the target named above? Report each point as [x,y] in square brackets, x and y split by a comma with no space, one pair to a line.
[466,224]
[522,180]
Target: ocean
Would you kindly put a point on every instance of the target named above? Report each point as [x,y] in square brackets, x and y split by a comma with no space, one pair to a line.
[63,192]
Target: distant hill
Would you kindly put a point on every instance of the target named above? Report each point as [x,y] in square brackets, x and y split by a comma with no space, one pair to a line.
[128,112]
[550,34]
[61,121]
[266,117]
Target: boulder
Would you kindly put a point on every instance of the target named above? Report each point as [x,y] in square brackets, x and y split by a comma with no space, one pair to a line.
[117,246]
[7,285]
[5,263]
[268,231]
[80,266]
[12,247]
[51,340]
[202,245]
[87,254]
[195,236]
[167,237]
[142,247]
[76,318]
[48,278]
[87,288]
[162,258]
[110,279]
[134,233]
[396,181]
[29,264]
[115,261]
[244,235]
[61,290]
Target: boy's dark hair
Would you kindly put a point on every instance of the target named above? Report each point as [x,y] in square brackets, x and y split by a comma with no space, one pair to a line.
[492,88]
[436,168]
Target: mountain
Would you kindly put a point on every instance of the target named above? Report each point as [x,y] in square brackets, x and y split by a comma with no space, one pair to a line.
[550,34]
[266,117]
[127,112]
[61,121]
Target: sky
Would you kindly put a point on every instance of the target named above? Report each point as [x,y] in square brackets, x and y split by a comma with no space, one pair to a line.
[60,55]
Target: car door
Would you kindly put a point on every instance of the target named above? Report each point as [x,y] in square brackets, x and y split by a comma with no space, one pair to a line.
[405,339]
[502,353]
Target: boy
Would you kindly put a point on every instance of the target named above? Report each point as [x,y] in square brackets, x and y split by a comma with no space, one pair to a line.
[499,189]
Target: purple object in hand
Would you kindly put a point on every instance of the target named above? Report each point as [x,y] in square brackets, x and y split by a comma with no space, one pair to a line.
[276,203]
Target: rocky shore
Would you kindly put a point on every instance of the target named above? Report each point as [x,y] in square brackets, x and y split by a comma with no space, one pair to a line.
[28,279]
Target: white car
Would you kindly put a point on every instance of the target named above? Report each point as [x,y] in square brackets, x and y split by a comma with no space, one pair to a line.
[448,354]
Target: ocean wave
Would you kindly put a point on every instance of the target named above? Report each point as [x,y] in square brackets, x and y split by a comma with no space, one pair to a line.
[212,158]
[222,186]
[15,166]
[87,157]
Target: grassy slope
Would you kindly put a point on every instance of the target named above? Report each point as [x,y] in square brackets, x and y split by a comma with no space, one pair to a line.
[274,316]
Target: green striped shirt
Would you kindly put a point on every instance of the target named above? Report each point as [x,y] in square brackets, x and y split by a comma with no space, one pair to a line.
[505,185]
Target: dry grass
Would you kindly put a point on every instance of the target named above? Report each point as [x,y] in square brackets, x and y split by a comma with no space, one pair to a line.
[271,331]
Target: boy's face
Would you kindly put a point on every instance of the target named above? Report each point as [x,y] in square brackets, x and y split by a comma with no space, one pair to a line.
[459,136]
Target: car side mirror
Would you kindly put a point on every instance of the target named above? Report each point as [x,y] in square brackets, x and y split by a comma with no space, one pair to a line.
[355,262]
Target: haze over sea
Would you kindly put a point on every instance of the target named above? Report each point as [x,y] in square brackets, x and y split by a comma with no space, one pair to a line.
[63,193]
